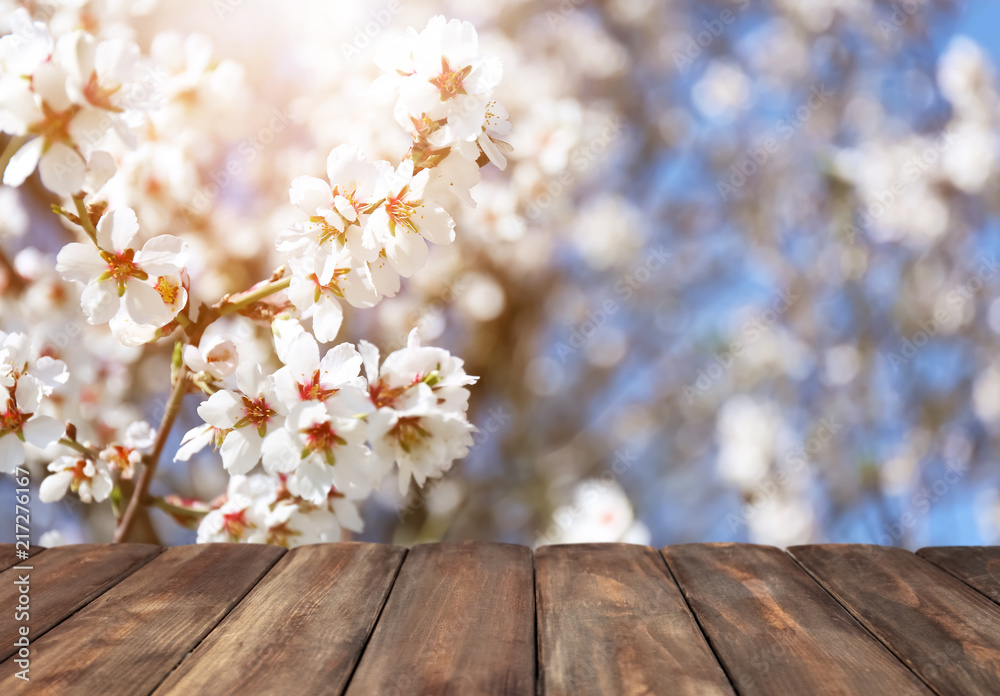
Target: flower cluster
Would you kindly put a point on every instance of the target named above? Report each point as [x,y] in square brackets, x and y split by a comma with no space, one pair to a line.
[369,222]
[329,424]
[326,429]
[259,509]
[63,98]
[25,380]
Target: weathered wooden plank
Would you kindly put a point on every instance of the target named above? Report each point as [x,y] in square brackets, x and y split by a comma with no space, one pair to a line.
[460,620]
[976,566]
[62,580]
[611,620]
[8,555]
[940,627]
[301,630]
[775,630]
[127,640]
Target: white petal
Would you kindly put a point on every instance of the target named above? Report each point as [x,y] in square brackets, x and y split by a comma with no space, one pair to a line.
[341,364]
[117,229]
[101,486]
[11,453]
[193,359]
[302,355]
[145,305]
[369,356]
[435,224]
[312,480]
[23,163]
[407,252]
[42,431]
[194,440]
[309,194]
[54,486]
[164,254]
[62,169]
[347,515]
[100,168]
[251,379]
[241,450]
[327,319]
[50,372]
[28,394]
[80,262]
[100,301]
[222,409]
[280,452]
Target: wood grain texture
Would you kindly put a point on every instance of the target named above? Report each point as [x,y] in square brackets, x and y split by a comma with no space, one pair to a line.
[460,621]
[612,621]
[128,640]
[776,631]
[63,579]
[8,554]
[944,630]
[976,566]
[301,630]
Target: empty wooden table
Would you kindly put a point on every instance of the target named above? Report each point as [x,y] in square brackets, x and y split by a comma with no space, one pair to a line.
[469,618]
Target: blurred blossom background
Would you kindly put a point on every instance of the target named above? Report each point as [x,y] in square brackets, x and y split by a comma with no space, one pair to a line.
[739,281]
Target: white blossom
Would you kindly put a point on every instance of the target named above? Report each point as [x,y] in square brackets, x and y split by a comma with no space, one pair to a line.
[146,285]
[404,219]
[89,479]
[249,415]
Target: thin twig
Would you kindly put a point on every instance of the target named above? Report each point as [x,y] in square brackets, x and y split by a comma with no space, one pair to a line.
[172,509]
[85,222]
[244,300]
[79,447]
[227,305]
[151,461]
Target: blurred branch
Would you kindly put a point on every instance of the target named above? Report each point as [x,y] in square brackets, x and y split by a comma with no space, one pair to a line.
[151,461]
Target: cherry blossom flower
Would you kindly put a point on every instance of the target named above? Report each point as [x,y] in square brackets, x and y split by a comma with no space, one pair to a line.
[197,439]
[416,364]
[63,113]
[337,209]
[404,219]
[240,518]
[442,77]
[423,439]
[100,73]
[317,283]
[24,382]
[600,513]
[123,457]
[322,451]
[249,415]
[20,423]
[420,421]
[306,377]
[17,360]
[258,509]
[215,356]
[146,284]
[89,479]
